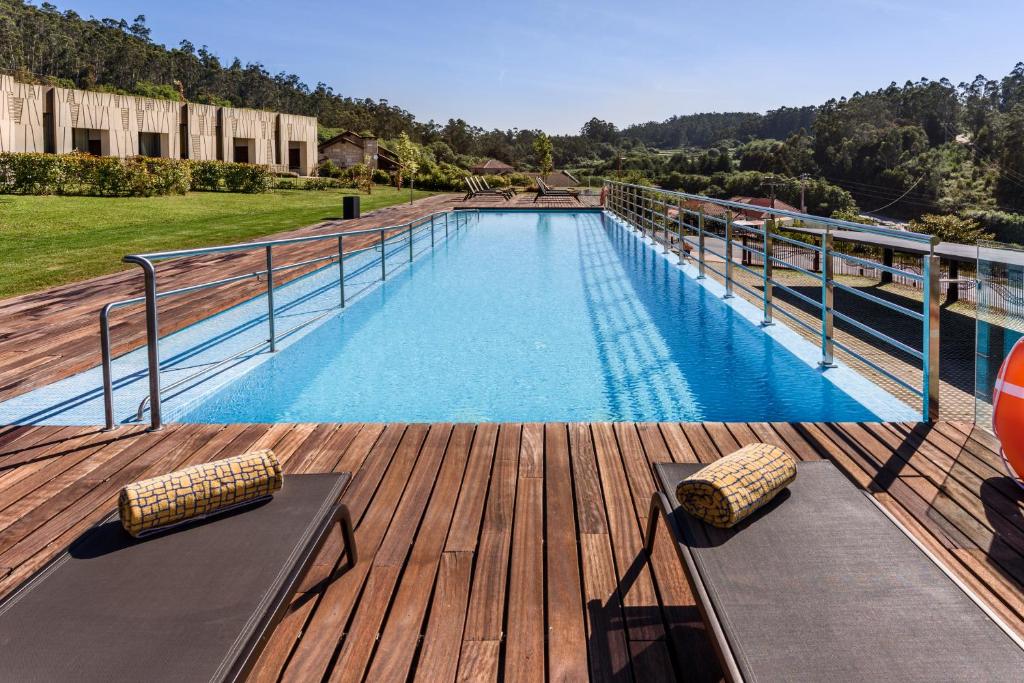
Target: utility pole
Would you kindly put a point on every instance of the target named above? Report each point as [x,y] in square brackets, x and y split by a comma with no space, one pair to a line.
[771,185]
[803,203]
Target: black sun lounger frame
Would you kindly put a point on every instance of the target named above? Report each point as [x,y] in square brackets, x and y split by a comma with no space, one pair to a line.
[196,603]
[824,585]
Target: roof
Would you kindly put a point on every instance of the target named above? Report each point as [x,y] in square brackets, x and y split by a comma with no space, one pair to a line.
[765,202]
[347,136]
[492,165]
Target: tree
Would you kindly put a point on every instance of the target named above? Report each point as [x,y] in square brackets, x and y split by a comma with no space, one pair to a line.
[542,153]
[408,154]
[950,228]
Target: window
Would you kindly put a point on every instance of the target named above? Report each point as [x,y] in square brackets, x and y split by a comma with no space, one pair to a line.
[149,144]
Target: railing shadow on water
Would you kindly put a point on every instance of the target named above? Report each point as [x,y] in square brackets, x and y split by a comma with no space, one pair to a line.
[391,241]
[662,342]
[698,222]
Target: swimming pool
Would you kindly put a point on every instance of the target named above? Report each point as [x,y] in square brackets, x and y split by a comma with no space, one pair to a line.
[546,316]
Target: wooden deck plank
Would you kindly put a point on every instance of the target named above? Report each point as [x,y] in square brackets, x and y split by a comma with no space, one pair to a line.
[485,620]
[525,630]
[363,634]
[469,509]
[439,660]
[639,599]
[566,636]
[513,551]
[405,621]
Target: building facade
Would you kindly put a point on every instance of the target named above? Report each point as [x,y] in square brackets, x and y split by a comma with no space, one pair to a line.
[348,149]
[36,118]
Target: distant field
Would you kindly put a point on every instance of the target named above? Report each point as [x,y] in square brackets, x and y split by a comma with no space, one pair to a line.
[48,241]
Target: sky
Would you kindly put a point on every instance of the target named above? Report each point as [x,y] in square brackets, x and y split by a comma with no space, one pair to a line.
[553,65]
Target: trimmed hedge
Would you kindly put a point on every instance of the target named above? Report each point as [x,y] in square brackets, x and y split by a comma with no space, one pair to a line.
[84,174]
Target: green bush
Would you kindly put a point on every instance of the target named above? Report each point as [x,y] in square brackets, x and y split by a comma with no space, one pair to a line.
[329,169]
[83,174]
[30,173]
[206,175]
[520,180]
[318,184]
[247,178]
[381,177]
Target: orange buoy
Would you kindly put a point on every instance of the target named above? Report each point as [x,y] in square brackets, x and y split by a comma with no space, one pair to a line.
[1008,410]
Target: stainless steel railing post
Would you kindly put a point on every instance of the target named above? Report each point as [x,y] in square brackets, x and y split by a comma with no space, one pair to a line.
[700,245]
[930,348]
[827,301]
[728,255]
[341,269]
[680,242]
[410,242]
[270,299]
[152,339]
[431,231]
[383,264]
[108,386]
[664,225]
[446,224]
[766,276]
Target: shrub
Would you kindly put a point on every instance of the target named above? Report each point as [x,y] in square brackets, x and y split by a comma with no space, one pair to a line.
[381,177]
[30,173]
[317,184]
[247,178]
[520,180]
[329,169]
[206,175]
[83,174]
[169,176]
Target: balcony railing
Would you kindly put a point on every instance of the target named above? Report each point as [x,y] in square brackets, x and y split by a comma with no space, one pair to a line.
[710,232]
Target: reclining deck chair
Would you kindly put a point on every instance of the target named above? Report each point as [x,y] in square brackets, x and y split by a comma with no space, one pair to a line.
[477,190]
[196,603]
[544,191]
[823,585]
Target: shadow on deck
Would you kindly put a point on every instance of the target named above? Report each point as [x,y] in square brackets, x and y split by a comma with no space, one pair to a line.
[516,550]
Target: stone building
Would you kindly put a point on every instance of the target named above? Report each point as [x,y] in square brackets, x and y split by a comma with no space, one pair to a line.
[36,118]
[348,149]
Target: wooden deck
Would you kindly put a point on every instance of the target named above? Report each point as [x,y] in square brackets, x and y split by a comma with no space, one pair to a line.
[511,551]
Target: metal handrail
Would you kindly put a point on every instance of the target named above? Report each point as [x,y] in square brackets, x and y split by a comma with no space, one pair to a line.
[151,296]
[638,206]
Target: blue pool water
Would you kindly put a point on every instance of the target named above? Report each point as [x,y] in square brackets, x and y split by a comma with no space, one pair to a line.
[535,317]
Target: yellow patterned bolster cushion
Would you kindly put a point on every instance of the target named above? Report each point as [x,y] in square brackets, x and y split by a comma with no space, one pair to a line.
[730,489]
[198,491]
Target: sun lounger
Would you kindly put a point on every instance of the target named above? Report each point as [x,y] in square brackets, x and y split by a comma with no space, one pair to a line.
[509,192]
[823,585]
[477,190]
[544,191]
[196,603]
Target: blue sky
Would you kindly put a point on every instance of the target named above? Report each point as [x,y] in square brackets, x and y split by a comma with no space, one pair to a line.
[553,65]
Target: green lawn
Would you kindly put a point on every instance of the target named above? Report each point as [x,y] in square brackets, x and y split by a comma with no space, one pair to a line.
[46,241]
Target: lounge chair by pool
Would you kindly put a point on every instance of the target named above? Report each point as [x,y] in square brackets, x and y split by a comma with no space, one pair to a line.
[196,603]
[544,191]
[823,585]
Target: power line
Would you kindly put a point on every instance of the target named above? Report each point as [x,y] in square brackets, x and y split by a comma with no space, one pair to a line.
[898,198]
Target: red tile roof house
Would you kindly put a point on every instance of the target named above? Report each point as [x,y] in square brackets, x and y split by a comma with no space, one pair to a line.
[491,167]
[755,215]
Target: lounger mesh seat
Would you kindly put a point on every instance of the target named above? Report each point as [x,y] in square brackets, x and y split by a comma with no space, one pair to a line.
[193,604]
[822,585]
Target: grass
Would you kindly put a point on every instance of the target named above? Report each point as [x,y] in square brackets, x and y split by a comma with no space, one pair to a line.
[49,241]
